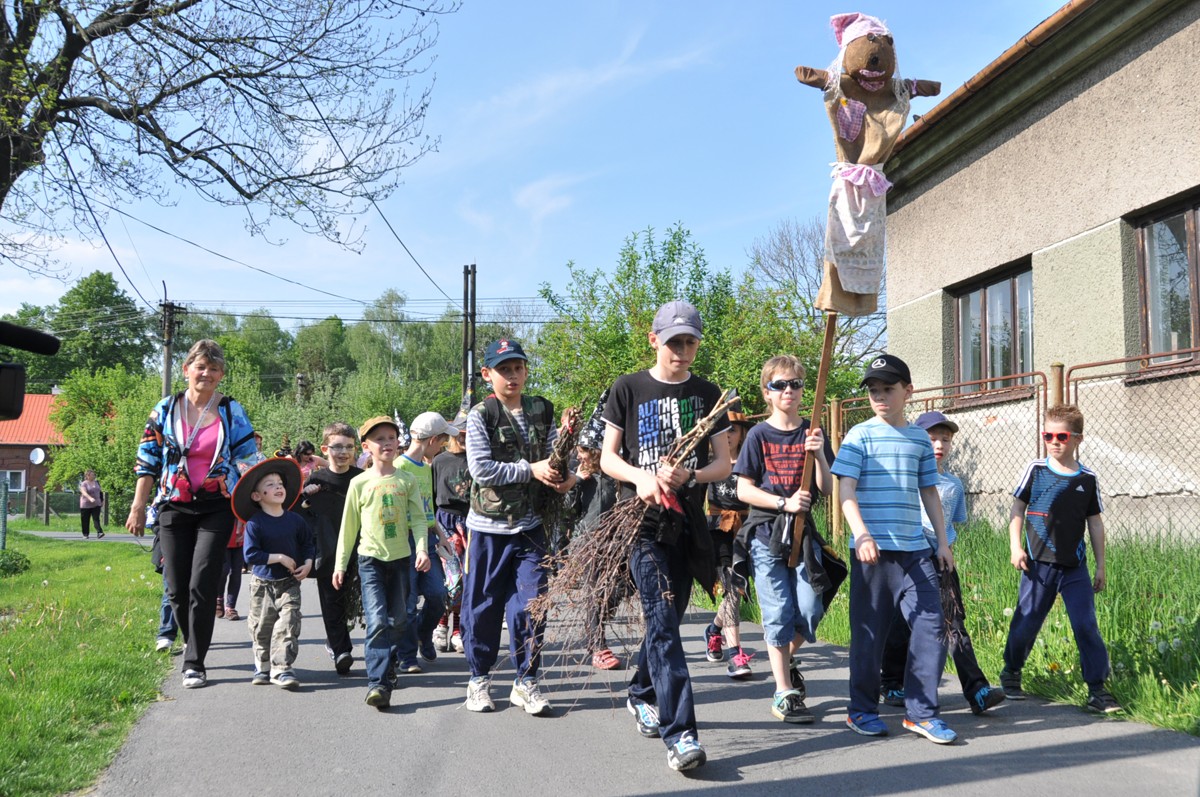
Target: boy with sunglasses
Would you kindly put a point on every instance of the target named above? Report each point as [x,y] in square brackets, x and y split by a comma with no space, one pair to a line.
[1057,499]
[768,471]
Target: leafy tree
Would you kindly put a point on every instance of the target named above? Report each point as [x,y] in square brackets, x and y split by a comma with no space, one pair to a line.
[603,320]
[254,343]
[99,325]
[101,416]
[297,110]
[321,348]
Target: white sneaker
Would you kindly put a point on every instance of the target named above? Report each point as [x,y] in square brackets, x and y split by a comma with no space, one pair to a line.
[525,693]
[441,636]
[194,679]
[162,643]
[456,641]
[478,694]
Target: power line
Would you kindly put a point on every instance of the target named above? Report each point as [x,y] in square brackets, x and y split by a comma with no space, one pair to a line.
[95,220]
[333,137]
[215,253]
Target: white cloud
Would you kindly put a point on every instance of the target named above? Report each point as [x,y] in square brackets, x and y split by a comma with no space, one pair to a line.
[546,196]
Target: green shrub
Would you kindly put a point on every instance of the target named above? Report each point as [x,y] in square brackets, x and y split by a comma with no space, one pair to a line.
[12,562]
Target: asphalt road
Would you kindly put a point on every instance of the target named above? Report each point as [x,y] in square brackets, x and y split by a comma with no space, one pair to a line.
[232,738]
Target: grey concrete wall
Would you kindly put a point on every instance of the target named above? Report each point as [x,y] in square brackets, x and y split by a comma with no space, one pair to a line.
[922,334]
[1120,137]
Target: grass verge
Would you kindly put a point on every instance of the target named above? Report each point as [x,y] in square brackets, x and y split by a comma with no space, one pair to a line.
[1149,616]
[76,645]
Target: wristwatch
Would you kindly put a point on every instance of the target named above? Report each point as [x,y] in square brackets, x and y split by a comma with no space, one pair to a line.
[691,482]
[780,503]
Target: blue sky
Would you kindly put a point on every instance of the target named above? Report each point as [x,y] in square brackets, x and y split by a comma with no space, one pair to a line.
[564,128]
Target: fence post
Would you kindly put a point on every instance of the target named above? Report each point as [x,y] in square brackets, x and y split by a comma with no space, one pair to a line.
[45,507]
[3,512]
[1056,384]
[836,522]
[29,496]
[104,504]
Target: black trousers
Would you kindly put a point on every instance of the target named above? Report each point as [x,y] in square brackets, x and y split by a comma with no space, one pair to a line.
[93,515]
[335,604]
[194,538]
[895,652]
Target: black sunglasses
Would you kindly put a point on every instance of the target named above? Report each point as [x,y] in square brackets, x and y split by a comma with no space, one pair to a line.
[779,385]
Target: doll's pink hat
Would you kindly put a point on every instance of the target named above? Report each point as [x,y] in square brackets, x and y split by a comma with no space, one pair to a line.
[848,27]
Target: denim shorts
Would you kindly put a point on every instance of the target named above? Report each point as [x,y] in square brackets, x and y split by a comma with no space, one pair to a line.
[789,605]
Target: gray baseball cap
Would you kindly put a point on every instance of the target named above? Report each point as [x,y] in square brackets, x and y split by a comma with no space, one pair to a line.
[677,318]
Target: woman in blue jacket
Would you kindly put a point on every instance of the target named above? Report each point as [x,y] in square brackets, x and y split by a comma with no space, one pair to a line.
[190,450]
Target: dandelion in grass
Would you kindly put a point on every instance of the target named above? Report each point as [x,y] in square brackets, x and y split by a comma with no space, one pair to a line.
[1162,647]
[1176,643]
[108,568]
[45,583]
[1180,620]
[143,576]
[1055,666]
[1008,612]
[1155,626]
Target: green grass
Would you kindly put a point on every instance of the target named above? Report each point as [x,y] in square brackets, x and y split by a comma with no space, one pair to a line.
[1149,616]
[77,666]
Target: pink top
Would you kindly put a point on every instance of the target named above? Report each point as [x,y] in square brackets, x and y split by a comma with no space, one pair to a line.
[89,494]
[204,449]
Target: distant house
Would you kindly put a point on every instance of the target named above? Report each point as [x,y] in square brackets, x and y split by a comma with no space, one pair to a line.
[1048,211]
[20,437]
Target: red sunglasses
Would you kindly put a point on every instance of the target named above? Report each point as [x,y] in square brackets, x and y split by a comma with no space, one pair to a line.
[1061,437]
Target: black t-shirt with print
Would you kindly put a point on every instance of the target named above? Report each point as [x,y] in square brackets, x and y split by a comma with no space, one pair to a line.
[451,482]
[774,460]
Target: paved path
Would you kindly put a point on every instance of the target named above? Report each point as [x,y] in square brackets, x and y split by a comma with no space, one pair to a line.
[233,738]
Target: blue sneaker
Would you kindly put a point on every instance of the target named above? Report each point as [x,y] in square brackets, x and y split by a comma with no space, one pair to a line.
[892,697]
[934,730]
[686,753]
[987,697]
[867,724]
[646,716]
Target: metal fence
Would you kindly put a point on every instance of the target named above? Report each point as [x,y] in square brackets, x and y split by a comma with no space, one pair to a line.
[1142,437]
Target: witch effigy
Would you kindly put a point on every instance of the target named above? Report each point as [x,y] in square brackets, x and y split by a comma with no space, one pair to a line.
[867,102]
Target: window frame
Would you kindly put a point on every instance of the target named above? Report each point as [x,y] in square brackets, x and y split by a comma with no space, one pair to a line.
[1190,211]
[1009,274]
[8,474]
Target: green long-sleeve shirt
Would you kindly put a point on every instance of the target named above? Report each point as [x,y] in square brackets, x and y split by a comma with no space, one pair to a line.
[380,511]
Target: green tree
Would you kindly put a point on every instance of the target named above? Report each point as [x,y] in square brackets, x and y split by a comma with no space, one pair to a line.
[299,110]
[602,322]
[101,416]
[99,325]
[321,348]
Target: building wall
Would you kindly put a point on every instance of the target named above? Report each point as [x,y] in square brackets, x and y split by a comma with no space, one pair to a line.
[1053,184]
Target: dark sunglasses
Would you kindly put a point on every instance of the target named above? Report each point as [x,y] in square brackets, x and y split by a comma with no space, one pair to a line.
[780,385]
[1061,437]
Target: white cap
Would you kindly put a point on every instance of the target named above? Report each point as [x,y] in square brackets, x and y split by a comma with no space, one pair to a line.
[430,424]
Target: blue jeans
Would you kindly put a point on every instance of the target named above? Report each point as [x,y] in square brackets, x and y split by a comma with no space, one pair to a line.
[167,629]
[431,584]
[908,581]
[789,605]
[1039,586]
[664,586]
[384,597]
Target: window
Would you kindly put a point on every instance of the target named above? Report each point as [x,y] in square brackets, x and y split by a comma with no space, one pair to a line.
[995,329]
[1167,255]
[16,480]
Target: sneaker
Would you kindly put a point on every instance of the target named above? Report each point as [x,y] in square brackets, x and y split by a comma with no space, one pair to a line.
[456,641]
[231,613]
[162,643]
[1011,682]
[99,535]
[342,663]
[428,650]
[797,678]
[714,643]
[286,680]
[646,716]
[1101,701]
[789,707]
[525,693]
[739,665]
[260,678]
[686,753]
[220,608]
[934,730]
[194,679]
[441,637]
[867,724]
[411,666]
[378,697]
[892,697]
[478,694]
[985,698]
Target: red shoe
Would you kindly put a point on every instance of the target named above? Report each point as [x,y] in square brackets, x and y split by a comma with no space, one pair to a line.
[605,660]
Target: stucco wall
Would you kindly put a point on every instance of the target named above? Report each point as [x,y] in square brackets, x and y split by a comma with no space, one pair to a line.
[1120,137]
[922,334]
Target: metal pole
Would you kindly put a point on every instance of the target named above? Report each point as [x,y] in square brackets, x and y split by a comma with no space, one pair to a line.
[471,347]
[1056,384]
[168,330]
[466,335]
[3,512]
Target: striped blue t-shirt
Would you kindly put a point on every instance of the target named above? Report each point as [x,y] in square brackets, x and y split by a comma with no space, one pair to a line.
[891,465]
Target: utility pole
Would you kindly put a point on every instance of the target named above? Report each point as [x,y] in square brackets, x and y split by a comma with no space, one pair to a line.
[468,343]
[167,324]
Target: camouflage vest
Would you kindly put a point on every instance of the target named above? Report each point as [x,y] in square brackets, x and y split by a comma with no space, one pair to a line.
[511,502]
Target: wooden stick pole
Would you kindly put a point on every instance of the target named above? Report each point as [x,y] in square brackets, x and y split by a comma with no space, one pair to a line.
[806,476]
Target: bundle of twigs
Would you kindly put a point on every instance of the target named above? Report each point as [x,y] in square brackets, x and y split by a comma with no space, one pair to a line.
[554,507]
[593,571]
